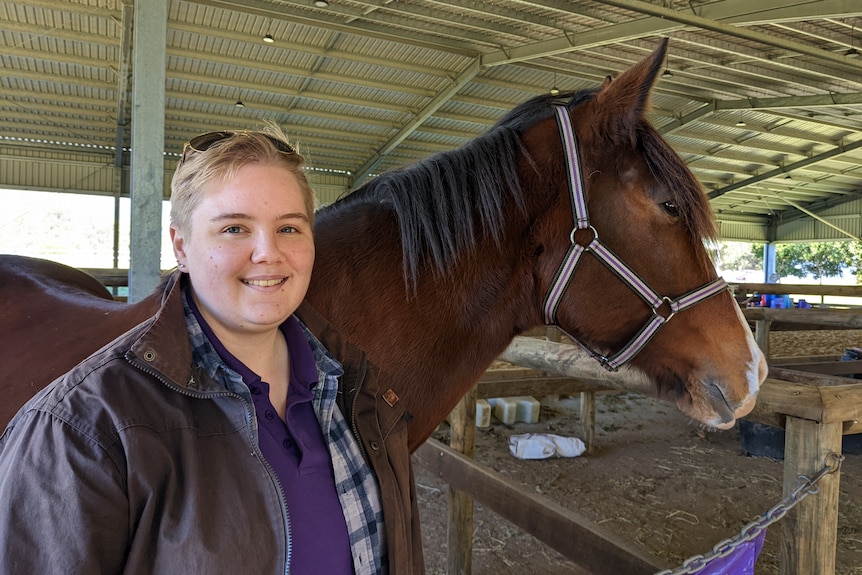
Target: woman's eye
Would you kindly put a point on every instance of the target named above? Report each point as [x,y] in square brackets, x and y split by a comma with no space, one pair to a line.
[232,230]
[671,208]
[288,230]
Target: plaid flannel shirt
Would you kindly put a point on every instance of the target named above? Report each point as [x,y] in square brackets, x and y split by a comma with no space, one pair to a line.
[355,483]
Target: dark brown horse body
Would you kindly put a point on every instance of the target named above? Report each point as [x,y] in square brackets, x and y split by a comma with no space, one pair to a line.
[52,317]
[434,269]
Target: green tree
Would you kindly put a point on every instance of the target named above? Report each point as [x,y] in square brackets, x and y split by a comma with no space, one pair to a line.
[818,259]
[740,256]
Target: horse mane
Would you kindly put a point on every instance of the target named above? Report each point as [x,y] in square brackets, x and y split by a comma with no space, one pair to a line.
[445,201]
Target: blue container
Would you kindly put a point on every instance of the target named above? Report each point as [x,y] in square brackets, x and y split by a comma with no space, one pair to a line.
[851,354]
[767,441]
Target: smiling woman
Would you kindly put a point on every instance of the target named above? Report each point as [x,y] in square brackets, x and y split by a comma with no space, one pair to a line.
[74,229]
[228,390]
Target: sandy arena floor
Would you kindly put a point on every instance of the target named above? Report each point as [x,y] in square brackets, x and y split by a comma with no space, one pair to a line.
[657,480]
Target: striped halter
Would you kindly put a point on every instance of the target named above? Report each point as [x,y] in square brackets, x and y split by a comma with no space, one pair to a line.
[663,308]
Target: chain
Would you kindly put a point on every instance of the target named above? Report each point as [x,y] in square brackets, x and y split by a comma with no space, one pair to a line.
[724,548]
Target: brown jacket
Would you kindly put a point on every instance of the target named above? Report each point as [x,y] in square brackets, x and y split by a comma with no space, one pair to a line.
[382,430]
[137,436]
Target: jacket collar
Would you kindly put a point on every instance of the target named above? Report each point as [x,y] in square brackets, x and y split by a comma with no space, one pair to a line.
[164,344]
[360,375]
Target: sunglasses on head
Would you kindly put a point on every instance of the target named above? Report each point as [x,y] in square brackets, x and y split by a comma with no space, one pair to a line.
[204,142]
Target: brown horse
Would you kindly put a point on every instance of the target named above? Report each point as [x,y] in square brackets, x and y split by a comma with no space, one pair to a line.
[433,269]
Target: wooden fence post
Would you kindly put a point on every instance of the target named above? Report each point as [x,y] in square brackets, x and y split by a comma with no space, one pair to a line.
[761,335]
[588,419]
[462,422]
[810,529]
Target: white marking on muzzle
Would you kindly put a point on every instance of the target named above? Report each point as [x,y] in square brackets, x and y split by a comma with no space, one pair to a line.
[753,373]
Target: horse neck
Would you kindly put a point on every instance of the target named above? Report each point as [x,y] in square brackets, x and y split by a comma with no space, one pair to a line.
[432,345]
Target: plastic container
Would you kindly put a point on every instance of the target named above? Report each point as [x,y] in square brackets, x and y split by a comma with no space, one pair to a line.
[852,354]
[780,301]
[768,441]
[510,410]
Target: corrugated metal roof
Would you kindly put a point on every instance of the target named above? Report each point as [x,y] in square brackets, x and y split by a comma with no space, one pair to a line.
[756,91]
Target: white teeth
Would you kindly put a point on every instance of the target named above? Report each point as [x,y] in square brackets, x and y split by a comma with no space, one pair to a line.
[263,283]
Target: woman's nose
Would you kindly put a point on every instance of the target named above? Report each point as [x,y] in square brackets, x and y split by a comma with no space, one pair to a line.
[265,248]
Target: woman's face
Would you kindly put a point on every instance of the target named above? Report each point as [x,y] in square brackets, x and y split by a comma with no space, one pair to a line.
[249,251]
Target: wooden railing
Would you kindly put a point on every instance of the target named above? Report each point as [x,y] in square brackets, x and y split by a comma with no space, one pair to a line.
[802,289]
[765,318]
[815,411]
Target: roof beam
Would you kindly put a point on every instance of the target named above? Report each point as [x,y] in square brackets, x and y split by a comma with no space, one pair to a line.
[465,76]
[786,169]
[570,41]
[300,14]
[733,31]
[811,214]
[306,48]
[739,12]
[821,205]
[820,100]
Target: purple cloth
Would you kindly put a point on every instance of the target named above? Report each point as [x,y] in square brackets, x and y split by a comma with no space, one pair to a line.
[299,456]
[740,562]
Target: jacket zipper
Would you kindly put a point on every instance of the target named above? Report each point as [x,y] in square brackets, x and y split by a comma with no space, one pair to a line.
[256,453]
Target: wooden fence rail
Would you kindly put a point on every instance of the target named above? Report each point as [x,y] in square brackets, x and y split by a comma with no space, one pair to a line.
[571,534]
[801,289]
[815,410]
[765,318]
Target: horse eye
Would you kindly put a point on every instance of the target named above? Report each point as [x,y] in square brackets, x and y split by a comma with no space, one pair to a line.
[671,208]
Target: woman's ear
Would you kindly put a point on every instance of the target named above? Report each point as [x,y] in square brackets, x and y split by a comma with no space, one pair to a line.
[178,242]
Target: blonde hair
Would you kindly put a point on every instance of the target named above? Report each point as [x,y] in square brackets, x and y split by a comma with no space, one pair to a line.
[199,170]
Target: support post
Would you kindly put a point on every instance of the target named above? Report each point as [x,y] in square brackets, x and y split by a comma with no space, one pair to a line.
[462,439]
[810,529]
[761,335]
[769,272]
[553,334]
[148,147]
[588,419]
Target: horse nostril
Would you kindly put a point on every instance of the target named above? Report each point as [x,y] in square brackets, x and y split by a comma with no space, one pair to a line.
[725,408]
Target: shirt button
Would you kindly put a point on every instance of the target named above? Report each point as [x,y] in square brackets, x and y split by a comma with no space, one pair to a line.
[255,390]
[287,443]
[269,414]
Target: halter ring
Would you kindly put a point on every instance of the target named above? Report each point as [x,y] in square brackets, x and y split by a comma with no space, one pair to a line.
[585,246]
[669,302]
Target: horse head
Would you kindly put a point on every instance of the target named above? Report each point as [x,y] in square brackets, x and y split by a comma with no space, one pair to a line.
[620,255]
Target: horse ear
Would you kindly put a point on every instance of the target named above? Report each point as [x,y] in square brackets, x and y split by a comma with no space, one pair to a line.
[622,102]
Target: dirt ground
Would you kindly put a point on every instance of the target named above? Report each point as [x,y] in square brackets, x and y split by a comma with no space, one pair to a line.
[656,480]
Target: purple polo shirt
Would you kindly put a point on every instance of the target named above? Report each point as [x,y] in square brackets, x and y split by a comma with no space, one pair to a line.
[298,455]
